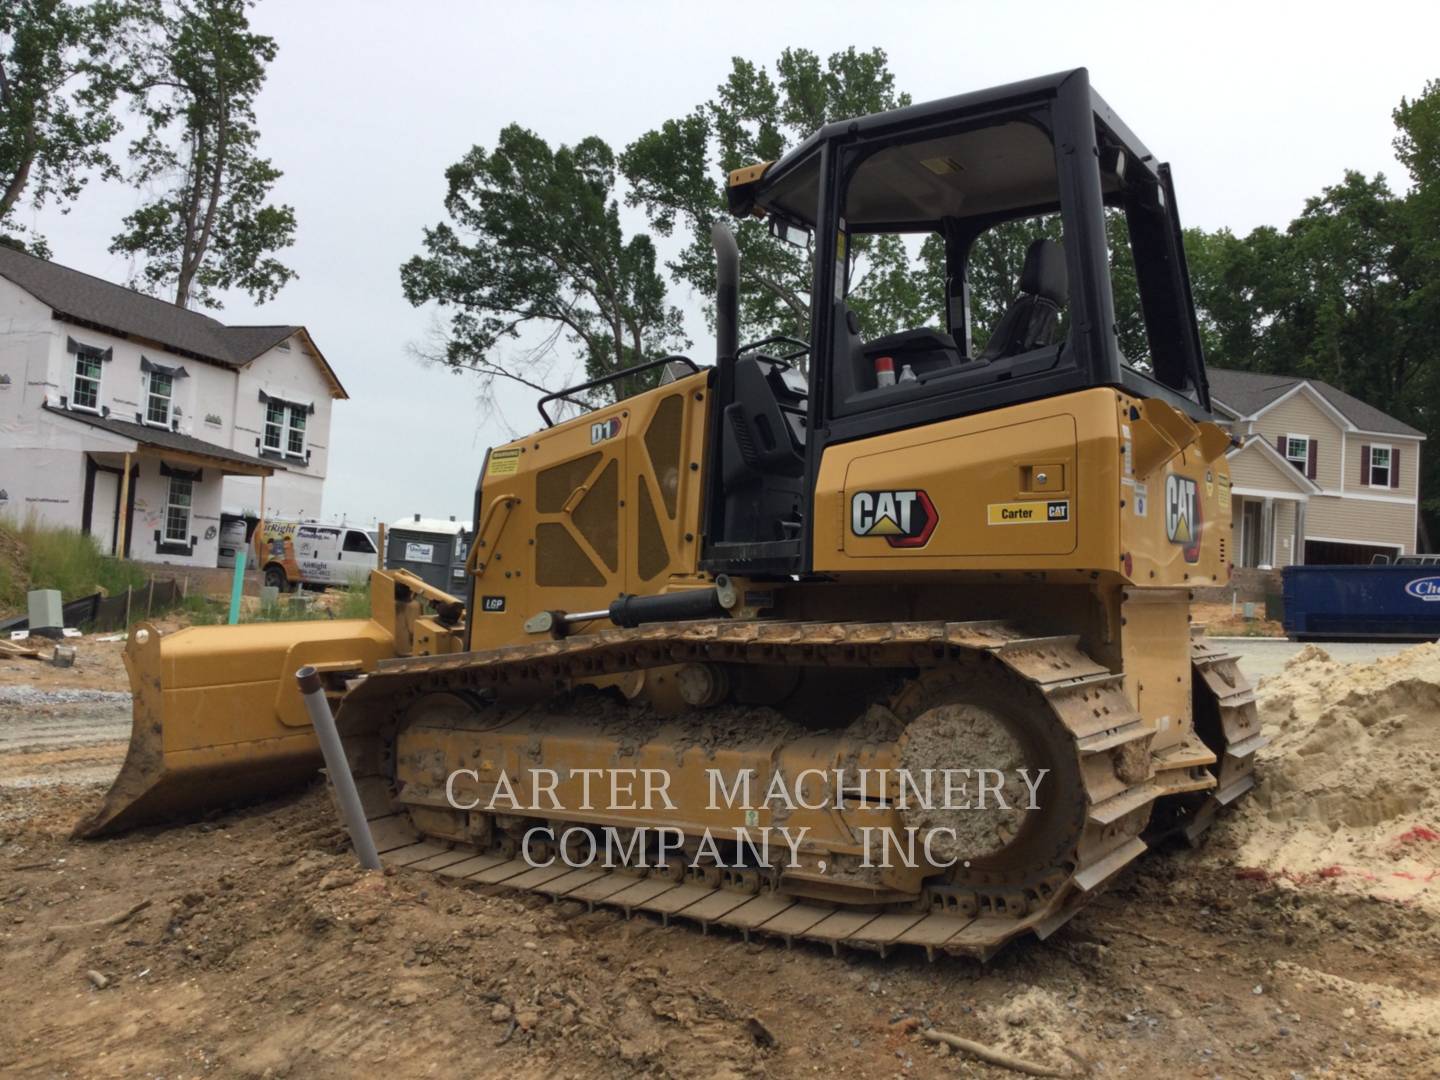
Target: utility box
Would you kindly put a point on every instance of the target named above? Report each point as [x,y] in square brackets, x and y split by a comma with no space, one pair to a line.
[47,614]
[433,549]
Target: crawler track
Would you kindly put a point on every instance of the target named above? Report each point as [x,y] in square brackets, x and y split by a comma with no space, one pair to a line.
[968,912]
[1228,720]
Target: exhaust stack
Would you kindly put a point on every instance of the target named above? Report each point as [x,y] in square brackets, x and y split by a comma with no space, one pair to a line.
[727,293]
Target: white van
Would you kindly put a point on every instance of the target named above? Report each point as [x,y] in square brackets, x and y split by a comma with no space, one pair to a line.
[309,553]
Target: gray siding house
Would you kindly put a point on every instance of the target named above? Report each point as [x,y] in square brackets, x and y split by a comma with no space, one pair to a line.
[1319,476]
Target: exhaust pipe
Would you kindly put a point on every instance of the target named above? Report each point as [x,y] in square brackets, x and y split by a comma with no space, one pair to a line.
[727,293]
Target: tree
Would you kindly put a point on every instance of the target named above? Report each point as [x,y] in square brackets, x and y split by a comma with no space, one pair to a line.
[678,174]
[1346,292]
[62,66]
[212,227]
[534,241]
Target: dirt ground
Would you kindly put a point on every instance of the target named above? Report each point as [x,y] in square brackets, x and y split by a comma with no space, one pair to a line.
[249,945]
[1220,620]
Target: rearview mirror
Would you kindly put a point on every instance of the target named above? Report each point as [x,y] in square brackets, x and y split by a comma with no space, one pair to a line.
[794,235]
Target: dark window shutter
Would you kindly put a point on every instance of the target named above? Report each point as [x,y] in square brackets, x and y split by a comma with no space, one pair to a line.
[1283,445]
[1365,465]
[1394,467]
[1311,458]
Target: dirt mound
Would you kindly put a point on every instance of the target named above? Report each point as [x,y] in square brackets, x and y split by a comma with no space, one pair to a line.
[1351,779]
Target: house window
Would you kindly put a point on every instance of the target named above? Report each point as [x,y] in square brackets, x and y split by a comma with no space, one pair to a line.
[295,439]
[159,396]
[87,379]
[1380,466]
[177,510]
[1297,451]
[274,425]
[285,427]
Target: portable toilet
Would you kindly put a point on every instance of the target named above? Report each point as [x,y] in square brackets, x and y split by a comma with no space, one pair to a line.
[236,528]
[432,549]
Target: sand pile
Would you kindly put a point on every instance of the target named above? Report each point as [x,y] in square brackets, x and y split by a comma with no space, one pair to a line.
[1350,788]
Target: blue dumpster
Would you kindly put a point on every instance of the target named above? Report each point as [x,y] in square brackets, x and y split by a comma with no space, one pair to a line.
[1394,602]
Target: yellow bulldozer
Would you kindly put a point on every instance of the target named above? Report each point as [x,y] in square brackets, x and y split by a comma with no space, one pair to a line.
[767,596]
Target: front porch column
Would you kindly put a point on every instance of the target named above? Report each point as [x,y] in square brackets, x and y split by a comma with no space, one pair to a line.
[1267,533]
[1298,555]
[121,540]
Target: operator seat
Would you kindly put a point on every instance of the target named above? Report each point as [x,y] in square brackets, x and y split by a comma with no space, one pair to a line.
[1030,320]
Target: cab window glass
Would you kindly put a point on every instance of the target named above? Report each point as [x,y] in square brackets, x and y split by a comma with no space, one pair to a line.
[953,262]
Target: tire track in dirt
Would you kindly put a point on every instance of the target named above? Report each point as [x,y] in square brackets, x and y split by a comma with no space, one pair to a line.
[58,738]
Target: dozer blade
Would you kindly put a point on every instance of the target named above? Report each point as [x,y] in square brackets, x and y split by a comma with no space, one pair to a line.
[218,717]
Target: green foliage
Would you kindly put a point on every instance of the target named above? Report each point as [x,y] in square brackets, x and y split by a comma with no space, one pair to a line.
[210,226]
[1348,292]
[62,65]
[678,174]
[36,556]
[534,240]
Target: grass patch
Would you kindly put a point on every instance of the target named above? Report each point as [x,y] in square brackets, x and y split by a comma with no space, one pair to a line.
[36,556]
[351,603]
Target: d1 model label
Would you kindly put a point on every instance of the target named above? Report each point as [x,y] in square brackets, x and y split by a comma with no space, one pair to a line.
[604,429]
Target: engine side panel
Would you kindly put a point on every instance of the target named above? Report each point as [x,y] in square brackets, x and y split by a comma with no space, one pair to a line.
[574,515]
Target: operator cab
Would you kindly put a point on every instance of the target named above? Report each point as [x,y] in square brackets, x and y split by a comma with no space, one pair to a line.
[1052,246]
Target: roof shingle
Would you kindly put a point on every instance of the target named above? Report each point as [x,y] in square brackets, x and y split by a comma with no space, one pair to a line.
[1247,392]
[102,303]
[166,439]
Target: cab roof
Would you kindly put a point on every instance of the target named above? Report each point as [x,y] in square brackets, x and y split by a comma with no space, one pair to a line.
[991,155]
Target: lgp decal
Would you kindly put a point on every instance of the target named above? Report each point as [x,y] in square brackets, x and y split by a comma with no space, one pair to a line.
[1182,515]
[492,603]
[604,429]
[904,518]
[1424,588]
[1032,512]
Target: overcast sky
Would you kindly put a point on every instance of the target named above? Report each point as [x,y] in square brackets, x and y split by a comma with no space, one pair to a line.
[1256,105]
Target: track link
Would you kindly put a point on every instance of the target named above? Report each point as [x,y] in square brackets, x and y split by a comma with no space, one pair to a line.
[1228,719]
[966,915]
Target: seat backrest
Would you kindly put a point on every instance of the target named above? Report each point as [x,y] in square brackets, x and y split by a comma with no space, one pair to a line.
[1030,320]
[855,352]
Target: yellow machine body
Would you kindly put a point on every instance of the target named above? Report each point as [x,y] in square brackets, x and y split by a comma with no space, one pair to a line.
[986,560]
[610,503]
